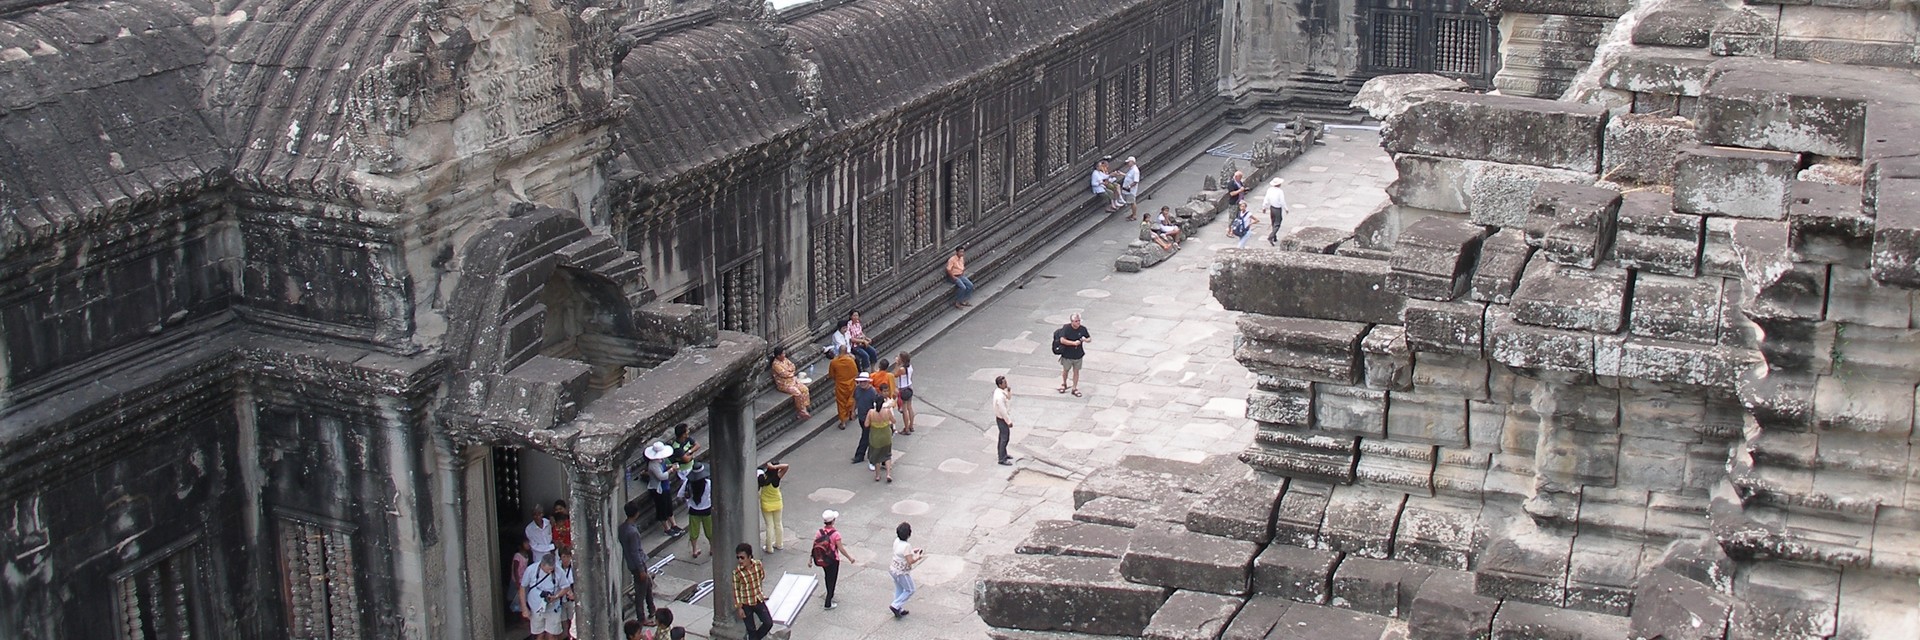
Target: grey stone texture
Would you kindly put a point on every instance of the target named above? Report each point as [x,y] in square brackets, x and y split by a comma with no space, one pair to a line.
[1434,258]
[1061,593]
[1304,285]
[1513,130]
[1193,615]
[1740,183]
[1564,297]
[1076,538]
[1573,224]
[1180,559]
[1653,237]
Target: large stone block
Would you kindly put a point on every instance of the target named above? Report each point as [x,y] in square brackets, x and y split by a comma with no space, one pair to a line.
[1119,512]
[1060,593]
[1443,249]
[1444,327]
[1523,621]
[1181,559]
[1854,298]
[1661,71]
[1546,133]
[1438,532]
[1388,360]
[1602,569]
[1652,237]
[1682,363]
[1640,147]
[1491,193]
[1241,509]
[1526,346]
[1446,608]
[1667,605]
[1525,565]
[1680,309]
[1573,224]
[1350,410]
[1792,106]
[1829,224]
[1076,538]
[1193,615]
[1290,407]
[1380,587]
[1503,258]
[1563,297]
[1295,573]
[1461,376]
[1427,418]
[1302,454]
[1741,183]
[1318,350]
[1302,510]
[1360,521]
[1306,285]
[1718,257]
[1896,236]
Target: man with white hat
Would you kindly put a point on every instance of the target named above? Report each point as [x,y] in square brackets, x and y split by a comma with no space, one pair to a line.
[1276,207]
[1130,187]
[660,474]
[828,549]
[864,399]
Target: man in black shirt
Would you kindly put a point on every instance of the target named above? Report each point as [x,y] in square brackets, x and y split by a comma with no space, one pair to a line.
[634,552]
[1070,342]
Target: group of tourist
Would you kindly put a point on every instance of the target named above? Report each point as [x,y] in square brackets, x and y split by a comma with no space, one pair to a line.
[1243,220]
[1121,188]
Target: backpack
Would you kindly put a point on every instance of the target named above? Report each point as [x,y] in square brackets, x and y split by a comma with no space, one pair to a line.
[1057,335]
[823,549]
[1239,227]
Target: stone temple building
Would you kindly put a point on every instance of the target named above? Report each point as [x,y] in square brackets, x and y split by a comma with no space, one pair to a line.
[1632,353]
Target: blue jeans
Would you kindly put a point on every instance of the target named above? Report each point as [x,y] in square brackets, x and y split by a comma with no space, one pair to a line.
[962,288]
[902,589]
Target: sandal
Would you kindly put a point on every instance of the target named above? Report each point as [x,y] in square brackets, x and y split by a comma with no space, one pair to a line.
[1076,392]
[1062,389]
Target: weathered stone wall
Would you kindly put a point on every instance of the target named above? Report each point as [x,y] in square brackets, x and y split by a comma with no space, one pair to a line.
[1313,54]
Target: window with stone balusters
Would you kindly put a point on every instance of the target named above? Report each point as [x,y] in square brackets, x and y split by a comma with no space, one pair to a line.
[158,598]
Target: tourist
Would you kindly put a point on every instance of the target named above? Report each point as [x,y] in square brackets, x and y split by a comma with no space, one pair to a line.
[1237,189]
[903,381]
[697,490]
[1070,342]
[844,372]
[633,550]
[879,443]
[864,399]
[863,352]
[905,557]
[787,380]
[1003,416]
[662,622]
[636,630]
[828,549]
[841,340]
[1276,208]
[1104,186]
[661,472]
[957,272]
[562,525]
[882,378]
[540,599]
[540,533]
[748,598]
[566,597]
[1130,187]
[1165,229]
[1242,224]
[769,476]
[684,446]
[522,559]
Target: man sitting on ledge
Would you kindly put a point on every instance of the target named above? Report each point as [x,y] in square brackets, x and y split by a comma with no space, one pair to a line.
[957,272]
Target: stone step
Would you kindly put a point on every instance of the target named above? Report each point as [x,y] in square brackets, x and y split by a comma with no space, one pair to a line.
[1837,493]
[1063,593]
[1181,559]
[1076,538]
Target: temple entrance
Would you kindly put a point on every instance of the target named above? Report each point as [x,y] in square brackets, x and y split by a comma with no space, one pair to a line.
[1446,37]
[522,478]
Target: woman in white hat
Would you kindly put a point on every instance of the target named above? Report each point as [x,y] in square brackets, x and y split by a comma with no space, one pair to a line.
[660,473]
[828,549]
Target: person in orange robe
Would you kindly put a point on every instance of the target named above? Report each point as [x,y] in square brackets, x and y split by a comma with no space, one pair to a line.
[843,370]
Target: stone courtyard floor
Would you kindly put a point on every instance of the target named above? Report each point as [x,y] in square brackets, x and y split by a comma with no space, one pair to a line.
[1159,381]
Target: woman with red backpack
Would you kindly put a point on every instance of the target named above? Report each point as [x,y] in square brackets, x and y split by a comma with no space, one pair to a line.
[828,550]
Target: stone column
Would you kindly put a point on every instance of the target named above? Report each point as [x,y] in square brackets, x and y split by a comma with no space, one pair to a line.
[735,507]
[596,565]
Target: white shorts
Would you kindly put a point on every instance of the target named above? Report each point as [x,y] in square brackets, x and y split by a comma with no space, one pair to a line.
[544,621]
[1128,196]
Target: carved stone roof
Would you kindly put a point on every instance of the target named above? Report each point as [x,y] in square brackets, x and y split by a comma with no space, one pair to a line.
[878,55]
[99,110]
[707,93]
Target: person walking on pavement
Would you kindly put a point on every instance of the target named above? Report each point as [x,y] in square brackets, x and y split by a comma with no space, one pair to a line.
[748,597]
[1070,343]
[864,400]
[880,438]
[905,558]
[1276,208]
[660,475]
[771,504]
[828,549]
[1130,187]
[1242,225]
[903,381]
[1237,188]
[697,490]
[633,550]
[844,370]
[957,272]
[1003,416]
